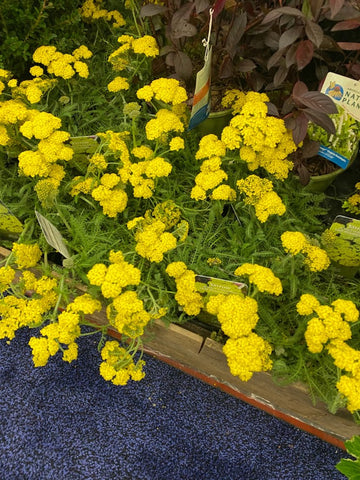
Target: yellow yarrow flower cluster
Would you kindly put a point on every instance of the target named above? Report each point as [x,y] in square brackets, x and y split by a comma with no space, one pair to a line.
[122,57]
[33,89]
[236,99]
[186,295]
[348,359]
[237,314]
[118,364]
[7,275]
[331,328]
[315,257]
[63,65]
[19,312]
[165,121]
[114,278]
[210,178]
[211,174]
[118,84]
[127,314]
[262,277]
[152,239]
[26,256]
[91,11]
[41,162]
[210,146]
[110,194]
[262,140]
[176,144]
[152,231]
[246,355]
[330,323]
[61,334]
[246,352]
[166,90]
[260,194]
[138,168]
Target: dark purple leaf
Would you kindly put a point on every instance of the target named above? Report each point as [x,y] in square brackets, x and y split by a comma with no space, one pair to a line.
[299,89]
[275,59]
[290,36]
[290,57]
[183,13]
[150,9]
[303,173]
[280,75]
[272,110]
[318,101]
[201,5]
[300,130]
[304,53]
[321,71]
[290,123]
[287,106]
[335,6]
[278,12]
[346,12]
[346,25]
[170,59]
[226,69]
[310,148]
[349,45]
[314,32]
[183,65]
[320,119]
[184,29]
[271,40]
[236,32]
[245,65]
[166,49]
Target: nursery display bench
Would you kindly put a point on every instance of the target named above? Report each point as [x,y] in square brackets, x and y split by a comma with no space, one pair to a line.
[189,349]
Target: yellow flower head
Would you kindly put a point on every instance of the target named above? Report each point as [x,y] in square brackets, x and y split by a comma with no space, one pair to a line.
[262,277]
[26,256]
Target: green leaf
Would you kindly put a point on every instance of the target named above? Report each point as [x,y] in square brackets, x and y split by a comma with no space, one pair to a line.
[349,468]
[353,447]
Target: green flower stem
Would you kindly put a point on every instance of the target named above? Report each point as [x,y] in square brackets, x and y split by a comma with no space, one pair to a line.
[133,347]
[57,306]
[136,17]
[161,290]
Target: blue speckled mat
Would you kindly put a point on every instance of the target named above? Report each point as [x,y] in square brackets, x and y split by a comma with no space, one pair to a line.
[64,422]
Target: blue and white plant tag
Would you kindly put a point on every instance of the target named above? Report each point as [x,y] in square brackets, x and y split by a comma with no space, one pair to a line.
[345,93]
[333,156]
[201,101]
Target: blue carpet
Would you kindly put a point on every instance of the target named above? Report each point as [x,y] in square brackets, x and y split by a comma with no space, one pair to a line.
[64,422]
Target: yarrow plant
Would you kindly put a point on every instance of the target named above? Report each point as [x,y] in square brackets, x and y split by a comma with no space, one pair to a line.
[116,217]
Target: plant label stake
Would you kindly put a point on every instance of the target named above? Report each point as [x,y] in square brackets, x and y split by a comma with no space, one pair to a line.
[201,101]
